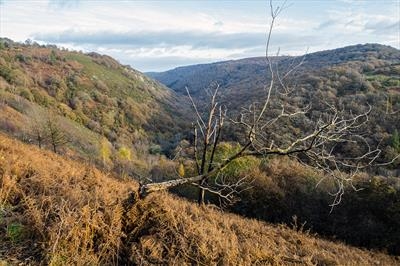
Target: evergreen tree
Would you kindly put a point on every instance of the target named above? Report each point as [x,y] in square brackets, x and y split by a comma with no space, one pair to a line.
[396,140]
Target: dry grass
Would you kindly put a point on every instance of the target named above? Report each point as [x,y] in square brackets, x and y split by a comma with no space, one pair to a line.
[69,213]
[59,212]
[167,230]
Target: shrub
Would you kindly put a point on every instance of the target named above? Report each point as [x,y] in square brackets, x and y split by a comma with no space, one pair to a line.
[26,93]
[14,232]
[155,149]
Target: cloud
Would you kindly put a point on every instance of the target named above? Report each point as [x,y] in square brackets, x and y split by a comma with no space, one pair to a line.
[219,23]
[326,24]
[163,63]
[383,27]
[63,4]
[348,1]
[167,38]
[358,23]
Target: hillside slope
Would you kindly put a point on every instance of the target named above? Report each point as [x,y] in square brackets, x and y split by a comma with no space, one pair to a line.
[92,96]
[233,74]
[59,212]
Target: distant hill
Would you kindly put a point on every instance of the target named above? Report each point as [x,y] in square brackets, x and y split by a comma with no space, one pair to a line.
[59,212]
[90,96]
[350,78]
[234,74]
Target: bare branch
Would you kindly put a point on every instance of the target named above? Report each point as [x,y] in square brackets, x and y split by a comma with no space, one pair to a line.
[318,145]
[196,157]
[199,118]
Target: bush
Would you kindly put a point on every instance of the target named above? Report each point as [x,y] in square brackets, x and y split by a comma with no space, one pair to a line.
[26,93]
[155,149]
[14,232]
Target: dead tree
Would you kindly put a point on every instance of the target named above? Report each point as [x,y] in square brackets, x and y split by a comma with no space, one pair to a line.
[55,134]
[37,128]
[316,147]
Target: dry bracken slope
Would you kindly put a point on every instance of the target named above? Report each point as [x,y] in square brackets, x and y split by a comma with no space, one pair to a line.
[59,212]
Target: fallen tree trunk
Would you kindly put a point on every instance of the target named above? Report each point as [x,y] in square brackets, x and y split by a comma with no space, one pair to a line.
[144,190]
[152,187]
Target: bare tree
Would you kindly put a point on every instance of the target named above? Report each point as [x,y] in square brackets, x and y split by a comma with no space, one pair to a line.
[37,128]
[317,146]
[55,134]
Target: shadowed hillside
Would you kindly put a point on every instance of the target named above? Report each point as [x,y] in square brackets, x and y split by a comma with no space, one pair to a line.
[352,78]
[59,212]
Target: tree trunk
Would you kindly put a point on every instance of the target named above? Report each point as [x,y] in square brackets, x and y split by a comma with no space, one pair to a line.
[149,188]
[39,139]
[200,199]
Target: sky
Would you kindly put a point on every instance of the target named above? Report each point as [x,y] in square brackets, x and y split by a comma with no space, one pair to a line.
[160,35]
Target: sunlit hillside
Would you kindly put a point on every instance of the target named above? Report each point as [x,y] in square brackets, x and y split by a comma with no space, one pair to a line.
[92,98]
